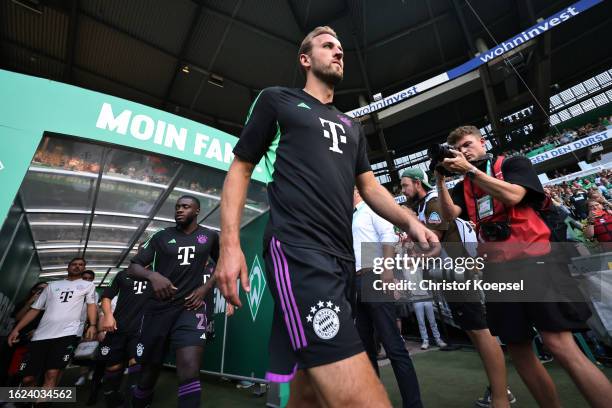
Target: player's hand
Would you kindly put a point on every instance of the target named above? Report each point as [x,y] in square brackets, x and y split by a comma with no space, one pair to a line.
[162,286]
[109,323]
[101,336]
[427,241]
[13,338]
[230,267]
[196,299]
[91,332]
[229,309]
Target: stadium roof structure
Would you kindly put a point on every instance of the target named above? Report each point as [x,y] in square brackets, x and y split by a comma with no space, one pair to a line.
[208,59]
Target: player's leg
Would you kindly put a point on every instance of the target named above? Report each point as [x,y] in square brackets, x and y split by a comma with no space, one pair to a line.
[188,336]
[302,393]
[134,367]
[188,370]
[142,395]
[51,378]
[59,353]
[113,376]
[311,288]
[33,362]
[349,383]
[112,352]
[133,373]
[150,350]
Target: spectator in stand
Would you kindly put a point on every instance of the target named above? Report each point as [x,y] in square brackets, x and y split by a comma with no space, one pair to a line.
[599,223]
[579,202]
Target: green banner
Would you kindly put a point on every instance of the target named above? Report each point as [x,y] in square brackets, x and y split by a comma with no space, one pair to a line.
[248,331]
[31,106]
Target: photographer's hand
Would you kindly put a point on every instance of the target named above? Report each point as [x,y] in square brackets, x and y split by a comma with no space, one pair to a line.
[457,164]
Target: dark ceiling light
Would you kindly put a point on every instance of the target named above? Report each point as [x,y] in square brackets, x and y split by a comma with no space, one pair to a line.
[215,80]
[31,5]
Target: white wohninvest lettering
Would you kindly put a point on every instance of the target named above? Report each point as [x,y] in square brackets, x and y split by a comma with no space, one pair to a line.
[528,34]
[333,134]
[145,128]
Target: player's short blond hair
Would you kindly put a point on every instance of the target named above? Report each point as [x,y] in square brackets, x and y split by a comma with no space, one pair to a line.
[306,45]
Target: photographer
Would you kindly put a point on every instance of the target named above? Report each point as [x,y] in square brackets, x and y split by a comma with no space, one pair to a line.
[497,195]
[466,308]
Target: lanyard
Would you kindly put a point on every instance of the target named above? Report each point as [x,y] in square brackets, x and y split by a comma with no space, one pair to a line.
[488,169]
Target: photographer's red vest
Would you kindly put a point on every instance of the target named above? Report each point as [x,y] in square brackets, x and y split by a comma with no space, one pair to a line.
[529,235]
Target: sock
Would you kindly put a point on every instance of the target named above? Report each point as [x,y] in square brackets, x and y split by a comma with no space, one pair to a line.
[133,375]
[112,383]
[189,394]
[141,398]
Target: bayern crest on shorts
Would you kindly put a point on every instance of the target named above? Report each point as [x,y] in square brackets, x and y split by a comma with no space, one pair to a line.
[104,350]
[139,349]
[324,319]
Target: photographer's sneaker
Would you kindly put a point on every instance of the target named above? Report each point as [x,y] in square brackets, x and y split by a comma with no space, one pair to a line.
[441,343]
[485,400]
[425,345]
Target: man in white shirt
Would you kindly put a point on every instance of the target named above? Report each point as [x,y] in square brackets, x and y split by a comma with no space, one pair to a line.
[379,315]
[59,330]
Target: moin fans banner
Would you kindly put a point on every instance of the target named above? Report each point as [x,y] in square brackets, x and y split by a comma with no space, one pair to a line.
[483,58]
[32,106]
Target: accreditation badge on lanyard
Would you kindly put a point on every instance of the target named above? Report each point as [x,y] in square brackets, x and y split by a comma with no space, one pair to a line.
[484,204]
[485,207]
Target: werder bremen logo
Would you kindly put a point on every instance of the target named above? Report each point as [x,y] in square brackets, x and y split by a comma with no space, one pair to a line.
[258,285]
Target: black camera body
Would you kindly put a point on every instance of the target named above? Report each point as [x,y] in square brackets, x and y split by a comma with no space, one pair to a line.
[437,153]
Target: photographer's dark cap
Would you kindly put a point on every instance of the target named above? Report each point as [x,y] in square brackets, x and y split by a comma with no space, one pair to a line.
[416,173]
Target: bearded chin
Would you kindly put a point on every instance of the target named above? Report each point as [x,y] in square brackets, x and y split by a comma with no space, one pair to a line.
[329,76]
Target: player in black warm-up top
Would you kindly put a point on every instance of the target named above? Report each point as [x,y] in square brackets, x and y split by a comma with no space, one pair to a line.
[122,326]
[176,315]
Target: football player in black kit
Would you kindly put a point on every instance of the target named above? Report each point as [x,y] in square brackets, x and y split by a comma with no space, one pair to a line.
[313,156]
[176,315]
[122,328]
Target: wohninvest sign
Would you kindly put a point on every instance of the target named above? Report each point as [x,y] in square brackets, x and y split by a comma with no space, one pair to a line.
[483,58]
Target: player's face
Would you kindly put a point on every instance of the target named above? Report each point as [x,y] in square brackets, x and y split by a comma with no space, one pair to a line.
[76,267]
[185,211]
[326,59]
[472,147]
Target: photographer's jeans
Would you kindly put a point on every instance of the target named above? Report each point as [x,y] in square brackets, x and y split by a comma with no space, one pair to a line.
[381,317]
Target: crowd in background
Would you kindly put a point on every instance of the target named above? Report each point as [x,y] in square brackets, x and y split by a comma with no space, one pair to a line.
[586,201]
[554,139]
